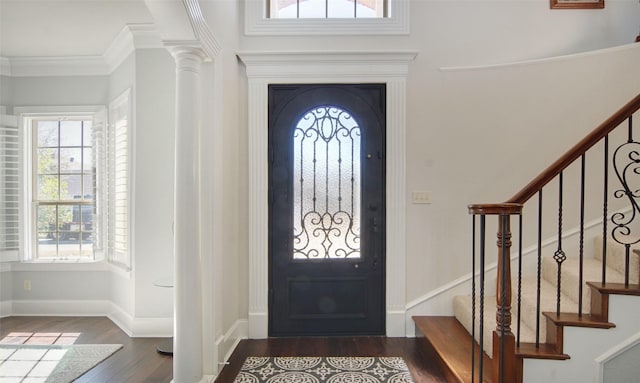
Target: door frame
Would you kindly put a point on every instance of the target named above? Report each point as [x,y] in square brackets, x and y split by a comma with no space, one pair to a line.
[262,69]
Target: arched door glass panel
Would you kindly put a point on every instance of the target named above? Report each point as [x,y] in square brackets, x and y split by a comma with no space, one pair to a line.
[326,185]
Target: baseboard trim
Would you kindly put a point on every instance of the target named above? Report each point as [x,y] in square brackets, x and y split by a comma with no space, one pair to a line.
[258,325]
[132,326]
[60,307]
[227,343]
[6,308]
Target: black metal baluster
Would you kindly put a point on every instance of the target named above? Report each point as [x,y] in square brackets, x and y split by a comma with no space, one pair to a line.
[605,218]
[559,255]
[627,250]
[581,249]
[473,298]
[539,272]
[627,246]
[482,261]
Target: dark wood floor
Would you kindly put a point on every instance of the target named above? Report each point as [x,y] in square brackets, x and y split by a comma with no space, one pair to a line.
[422,365]
[136,362]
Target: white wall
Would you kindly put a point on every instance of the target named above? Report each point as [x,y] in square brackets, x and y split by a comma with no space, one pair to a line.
[153,181]
[226,135]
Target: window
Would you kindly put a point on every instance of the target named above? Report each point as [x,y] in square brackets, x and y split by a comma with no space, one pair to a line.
[63,187]
[326,17]
[69,172]
[301,9]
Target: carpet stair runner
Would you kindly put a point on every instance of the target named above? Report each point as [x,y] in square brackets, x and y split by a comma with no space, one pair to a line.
[444,335]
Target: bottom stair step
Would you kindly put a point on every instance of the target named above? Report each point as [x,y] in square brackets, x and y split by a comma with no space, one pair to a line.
[451,343]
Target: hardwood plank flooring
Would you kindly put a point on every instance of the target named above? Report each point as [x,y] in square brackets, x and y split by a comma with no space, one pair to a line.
[422,365]
[136,362]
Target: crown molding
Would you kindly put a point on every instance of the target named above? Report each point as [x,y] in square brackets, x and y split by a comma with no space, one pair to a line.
[130,38]
[58,66]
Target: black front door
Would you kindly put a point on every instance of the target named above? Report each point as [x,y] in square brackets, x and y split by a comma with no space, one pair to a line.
[326,209]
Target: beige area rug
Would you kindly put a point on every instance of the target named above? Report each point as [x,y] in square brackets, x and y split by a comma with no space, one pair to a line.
[51,363]
[324,370]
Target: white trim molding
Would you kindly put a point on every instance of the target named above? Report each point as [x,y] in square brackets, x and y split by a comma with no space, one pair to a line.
[130,38]
[257,24]
[614,352]
[264,68]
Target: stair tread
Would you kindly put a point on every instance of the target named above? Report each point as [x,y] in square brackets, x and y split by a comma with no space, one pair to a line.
[541,351]
[452,343]
[575,320]
[616,288]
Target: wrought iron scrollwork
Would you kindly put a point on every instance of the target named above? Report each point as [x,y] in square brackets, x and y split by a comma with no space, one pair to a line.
[326,156]
[626,164]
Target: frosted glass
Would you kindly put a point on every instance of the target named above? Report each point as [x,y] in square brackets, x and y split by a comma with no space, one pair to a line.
[326,212]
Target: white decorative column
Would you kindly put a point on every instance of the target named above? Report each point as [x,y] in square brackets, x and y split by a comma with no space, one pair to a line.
[188,330]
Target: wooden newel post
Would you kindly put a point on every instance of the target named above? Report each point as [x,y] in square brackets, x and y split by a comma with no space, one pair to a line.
[504,342]
[505,366]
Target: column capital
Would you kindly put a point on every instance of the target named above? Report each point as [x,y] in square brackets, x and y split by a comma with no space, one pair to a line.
[187,55]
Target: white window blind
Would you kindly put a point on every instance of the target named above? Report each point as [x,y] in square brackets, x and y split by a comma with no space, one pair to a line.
[118,173]
[9,188]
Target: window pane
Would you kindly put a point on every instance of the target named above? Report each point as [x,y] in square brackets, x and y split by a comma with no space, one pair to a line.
[65,217]
[47,248]
[47,161]
[87,130]
[88,187]
[70,187]
[47,132]
[70,133]
[47,188]
[87,161]
[310,9]
[46,218]
[341,9]
[284,9]
[70,160]
[69,248]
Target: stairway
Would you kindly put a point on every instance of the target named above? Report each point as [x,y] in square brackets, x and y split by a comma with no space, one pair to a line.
[450,339]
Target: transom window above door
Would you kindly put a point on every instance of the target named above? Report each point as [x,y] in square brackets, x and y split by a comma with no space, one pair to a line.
[306,9]
[326,17]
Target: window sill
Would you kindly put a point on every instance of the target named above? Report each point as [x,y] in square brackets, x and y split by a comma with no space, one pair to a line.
[58,265]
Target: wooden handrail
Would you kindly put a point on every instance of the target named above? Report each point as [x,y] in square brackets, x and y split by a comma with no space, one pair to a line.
[576,151]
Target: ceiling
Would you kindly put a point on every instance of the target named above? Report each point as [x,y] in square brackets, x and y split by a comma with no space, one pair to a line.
[52,28]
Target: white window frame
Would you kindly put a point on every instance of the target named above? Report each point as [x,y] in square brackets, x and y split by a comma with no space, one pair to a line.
[27,227]
[257,24]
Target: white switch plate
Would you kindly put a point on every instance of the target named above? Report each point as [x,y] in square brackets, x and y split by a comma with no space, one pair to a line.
[421,197]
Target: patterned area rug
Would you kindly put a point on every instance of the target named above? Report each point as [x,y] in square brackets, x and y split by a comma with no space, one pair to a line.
[324,370]
[51,363]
